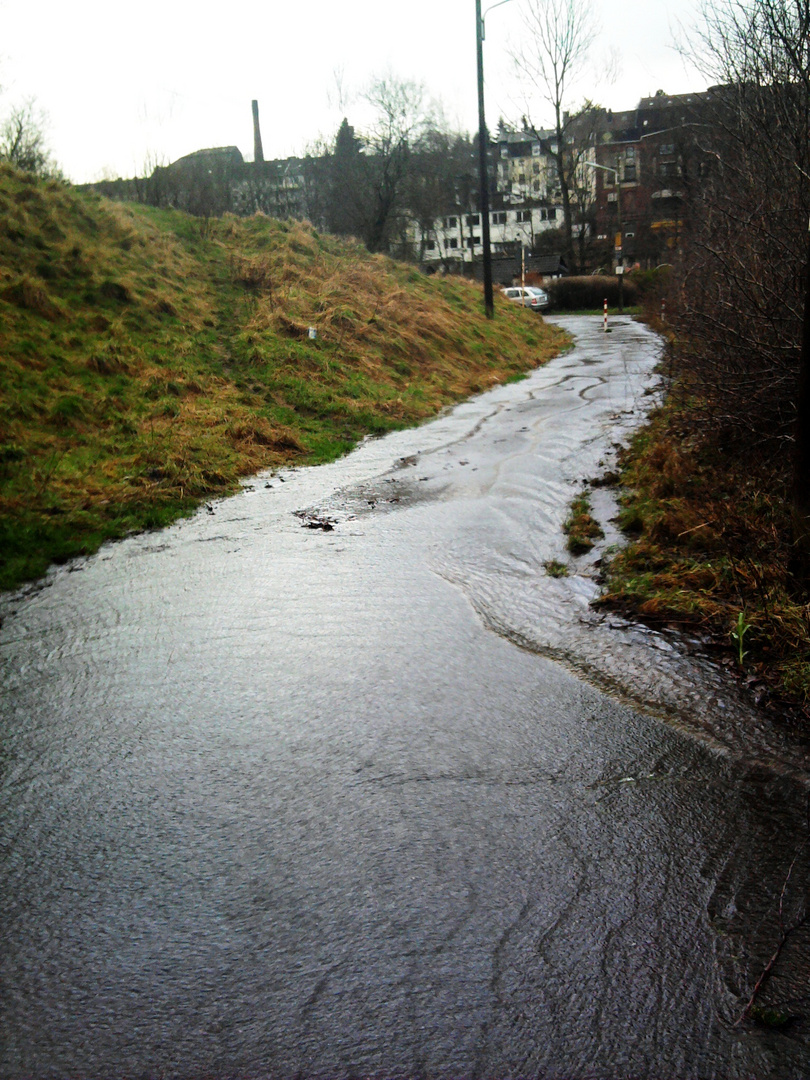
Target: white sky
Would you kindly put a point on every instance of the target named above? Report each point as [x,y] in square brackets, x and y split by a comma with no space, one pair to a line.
[124,85]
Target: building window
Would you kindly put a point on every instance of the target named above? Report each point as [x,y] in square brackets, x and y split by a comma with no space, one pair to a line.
[472,241]
[630,163]
[499,217]
[473,219]
[450,222]
[524,215]
[452,242]
[430,245]
[666,149]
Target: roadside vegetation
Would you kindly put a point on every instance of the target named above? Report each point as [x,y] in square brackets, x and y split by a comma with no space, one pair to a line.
[588,293]
[150,360]
[717,489]
[709,553]
[710,548]
[581,527]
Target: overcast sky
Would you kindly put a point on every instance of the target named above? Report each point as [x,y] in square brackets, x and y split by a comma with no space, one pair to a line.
[126,84]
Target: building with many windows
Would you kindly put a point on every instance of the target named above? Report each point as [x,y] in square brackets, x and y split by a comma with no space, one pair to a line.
[457,238]
[524,200]
[649,158]
[632,203]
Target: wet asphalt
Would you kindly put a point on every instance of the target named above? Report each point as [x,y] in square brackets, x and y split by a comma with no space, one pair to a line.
[334,780]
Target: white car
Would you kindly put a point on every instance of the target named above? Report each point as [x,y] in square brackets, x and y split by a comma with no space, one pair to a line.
[528,296]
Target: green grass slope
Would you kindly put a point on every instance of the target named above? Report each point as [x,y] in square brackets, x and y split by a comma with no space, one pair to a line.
[148,360]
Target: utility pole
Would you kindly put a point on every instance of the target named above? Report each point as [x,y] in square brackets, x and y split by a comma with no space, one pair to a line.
[483,148]
[619,245]
[483,172]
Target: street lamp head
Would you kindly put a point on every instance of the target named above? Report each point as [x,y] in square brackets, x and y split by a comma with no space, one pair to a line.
[482,27]
[607,168]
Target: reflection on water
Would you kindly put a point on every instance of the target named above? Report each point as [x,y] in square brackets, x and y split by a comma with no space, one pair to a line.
[277,801]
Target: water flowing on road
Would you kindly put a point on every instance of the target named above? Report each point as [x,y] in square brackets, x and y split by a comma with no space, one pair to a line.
[335,780]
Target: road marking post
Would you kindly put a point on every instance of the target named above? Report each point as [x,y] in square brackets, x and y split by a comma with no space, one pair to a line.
[604,324]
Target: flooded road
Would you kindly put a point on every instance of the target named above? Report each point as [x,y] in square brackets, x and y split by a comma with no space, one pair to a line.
[334,780]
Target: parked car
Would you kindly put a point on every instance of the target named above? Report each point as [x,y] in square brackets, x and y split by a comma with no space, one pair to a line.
[529,296]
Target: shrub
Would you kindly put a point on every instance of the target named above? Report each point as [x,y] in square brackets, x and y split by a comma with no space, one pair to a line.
[651,285]
[589,292]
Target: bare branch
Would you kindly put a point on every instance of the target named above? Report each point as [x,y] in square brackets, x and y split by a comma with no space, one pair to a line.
[22,140]
[555,42]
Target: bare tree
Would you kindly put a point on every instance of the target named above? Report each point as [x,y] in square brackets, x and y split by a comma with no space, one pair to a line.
[363,176]
[441,181]
[582,134]
[403,116]
[555,42]
[745,313]
[339,96]
[22,140]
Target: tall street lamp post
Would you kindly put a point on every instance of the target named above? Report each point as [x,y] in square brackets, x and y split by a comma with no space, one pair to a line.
[483,146]
[620,260]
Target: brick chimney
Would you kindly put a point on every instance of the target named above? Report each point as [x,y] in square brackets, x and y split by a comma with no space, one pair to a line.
[258,153]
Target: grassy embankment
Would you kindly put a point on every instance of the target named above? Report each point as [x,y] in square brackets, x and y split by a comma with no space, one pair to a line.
[709,530]
[149,360]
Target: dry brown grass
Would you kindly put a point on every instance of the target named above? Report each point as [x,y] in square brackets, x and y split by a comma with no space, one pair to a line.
[711,541]
[147,364]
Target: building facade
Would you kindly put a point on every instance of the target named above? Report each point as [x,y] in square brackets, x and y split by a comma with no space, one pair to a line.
[525,201]
[628,177]
[649,160]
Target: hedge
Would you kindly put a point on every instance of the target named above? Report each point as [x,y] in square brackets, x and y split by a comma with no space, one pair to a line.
[587,293]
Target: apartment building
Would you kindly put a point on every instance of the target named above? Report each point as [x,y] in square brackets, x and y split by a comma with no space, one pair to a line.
[524,199]
[649,157]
